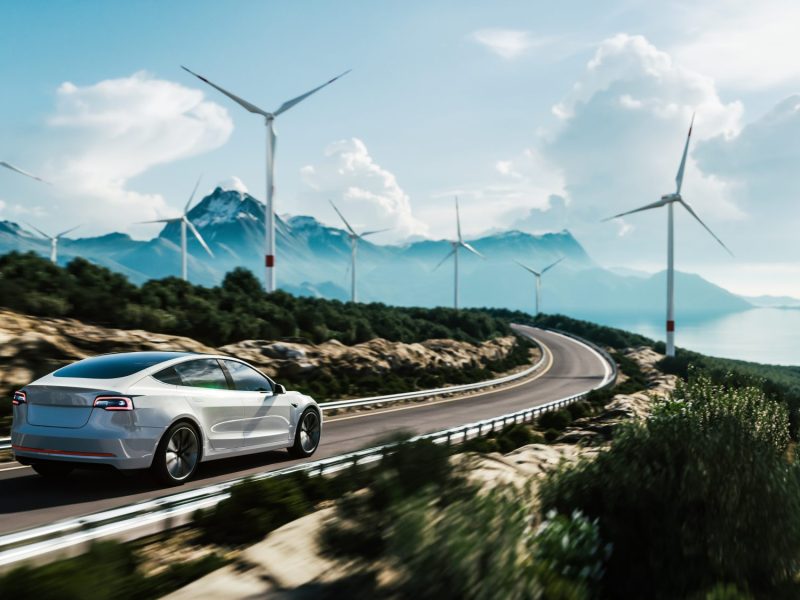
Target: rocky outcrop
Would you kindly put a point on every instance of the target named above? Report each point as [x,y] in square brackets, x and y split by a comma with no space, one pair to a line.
[375,357]
[33,346]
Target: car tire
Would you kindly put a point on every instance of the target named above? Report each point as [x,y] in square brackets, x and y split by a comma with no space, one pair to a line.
[177,455]
[308,434]
[53,470]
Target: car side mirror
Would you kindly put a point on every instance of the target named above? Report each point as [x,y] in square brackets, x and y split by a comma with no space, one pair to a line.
[279,389]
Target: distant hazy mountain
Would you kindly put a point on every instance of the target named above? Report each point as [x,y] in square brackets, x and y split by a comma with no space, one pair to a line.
[314,259]
[773,301]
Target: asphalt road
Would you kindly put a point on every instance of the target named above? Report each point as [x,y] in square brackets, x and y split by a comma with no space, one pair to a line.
[27,500]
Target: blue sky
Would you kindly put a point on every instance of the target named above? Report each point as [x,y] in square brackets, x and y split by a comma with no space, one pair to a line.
[539,116]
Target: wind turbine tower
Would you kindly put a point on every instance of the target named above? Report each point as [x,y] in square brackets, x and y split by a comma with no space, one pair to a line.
[669,200]
[538,275]
[269,118]
[354,237]
[455,245]
[54,241]
[186,224]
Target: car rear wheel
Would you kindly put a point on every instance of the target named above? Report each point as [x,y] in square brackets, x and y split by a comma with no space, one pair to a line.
[306,438]
[177,455]
[53,470]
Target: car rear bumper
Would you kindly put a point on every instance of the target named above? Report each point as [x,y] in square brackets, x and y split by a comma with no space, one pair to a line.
[86,445]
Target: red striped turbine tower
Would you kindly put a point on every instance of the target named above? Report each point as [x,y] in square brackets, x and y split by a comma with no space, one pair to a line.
[269,208]
[669,200]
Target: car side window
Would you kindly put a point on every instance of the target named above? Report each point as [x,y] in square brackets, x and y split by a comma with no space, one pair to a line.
[247,379]
[170,376]
[202,373]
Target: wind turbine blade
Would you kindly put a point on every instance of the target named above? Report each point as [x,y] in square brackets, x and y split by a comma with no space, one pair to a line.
[341,216]
[374,231]
[547,268]
[199,238]
[526,268]
[63,233]
[158,221]
[471,249]
[658,204]
[679,176]
[449,254]
[39,231]
[240,101]
[699,220]
[458,222]
[290,103]
[194,191]
[21,172]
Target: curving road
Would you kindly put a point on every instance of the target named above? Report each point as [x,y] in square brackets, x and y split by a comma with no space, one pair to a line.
[27,500]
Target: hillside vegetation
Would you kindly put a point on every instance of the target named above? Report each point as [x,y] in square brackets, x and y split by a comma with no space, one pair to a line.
[777,382]
[237,310]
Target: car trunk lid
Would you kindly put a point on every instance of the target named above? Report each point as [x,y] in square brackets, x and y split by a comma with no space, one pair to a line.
[60,406]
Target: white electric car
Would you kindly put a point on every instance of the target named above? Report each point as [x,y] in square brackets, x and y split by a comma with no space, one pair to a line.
[163,411]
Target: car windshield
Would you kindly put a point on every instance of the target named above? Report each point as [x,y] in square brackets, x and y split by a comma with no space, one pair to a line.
[112,366]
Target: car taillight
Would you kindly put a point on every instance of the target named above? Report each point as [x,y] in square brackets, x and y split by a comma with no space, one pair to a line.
[113,403]
[19,398]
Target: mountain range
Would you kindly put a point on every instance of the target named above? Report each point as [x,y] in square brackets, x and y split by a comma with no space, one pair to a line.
[314,259]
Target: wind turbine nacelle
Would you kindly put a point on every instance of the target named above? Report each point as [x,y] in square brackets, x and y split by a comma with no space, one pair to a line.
[671,197]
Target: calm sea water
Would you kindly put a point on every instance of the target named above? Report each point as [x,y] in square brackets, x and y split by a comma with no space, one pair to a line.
[765,335]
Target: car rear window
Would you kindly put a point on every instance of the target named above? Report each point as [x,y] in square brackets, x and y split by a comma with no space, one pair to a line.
[112,366]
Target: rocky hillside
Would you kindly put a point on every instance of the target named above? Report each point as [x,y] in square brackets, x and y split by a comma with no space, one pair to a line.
[33,346]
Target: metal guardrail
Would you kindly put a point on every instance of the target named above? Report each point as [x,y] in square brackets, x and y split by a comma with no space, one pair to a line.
[453,389]
[175,509]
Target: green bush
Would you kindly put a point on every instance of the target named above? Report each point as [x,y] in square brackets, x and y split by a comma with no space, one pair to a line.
[410,469]
[474,548]
[571,546]
[556,419]
[700,493]
[254,508]
[107,571]
[237,309]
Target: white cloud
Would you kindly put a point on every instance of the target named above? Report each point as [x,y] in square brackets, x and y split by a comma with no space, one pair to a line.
[117,129]
[506,43]
[368,195]
[518,197]
[618,140]
[743,44]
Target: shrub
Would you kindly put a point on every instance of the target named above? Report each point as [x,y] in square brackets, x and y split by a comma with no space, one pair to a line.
[579,410]
[478,547]
[571,546]
[254,508]
[108,570]
[411,469]
[556,419]
[700,493]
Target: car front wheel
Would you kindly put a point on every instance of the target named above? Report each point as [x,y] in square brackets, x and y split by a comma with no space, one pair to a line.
[306,438]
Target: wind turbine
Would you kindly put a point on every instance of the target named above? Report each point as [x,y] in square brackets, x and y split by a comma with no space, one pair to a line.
[20,171]
[538,275]
[669,200]
[186,223]
[456,244]
[354,237]
[54,241]
[269,207]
